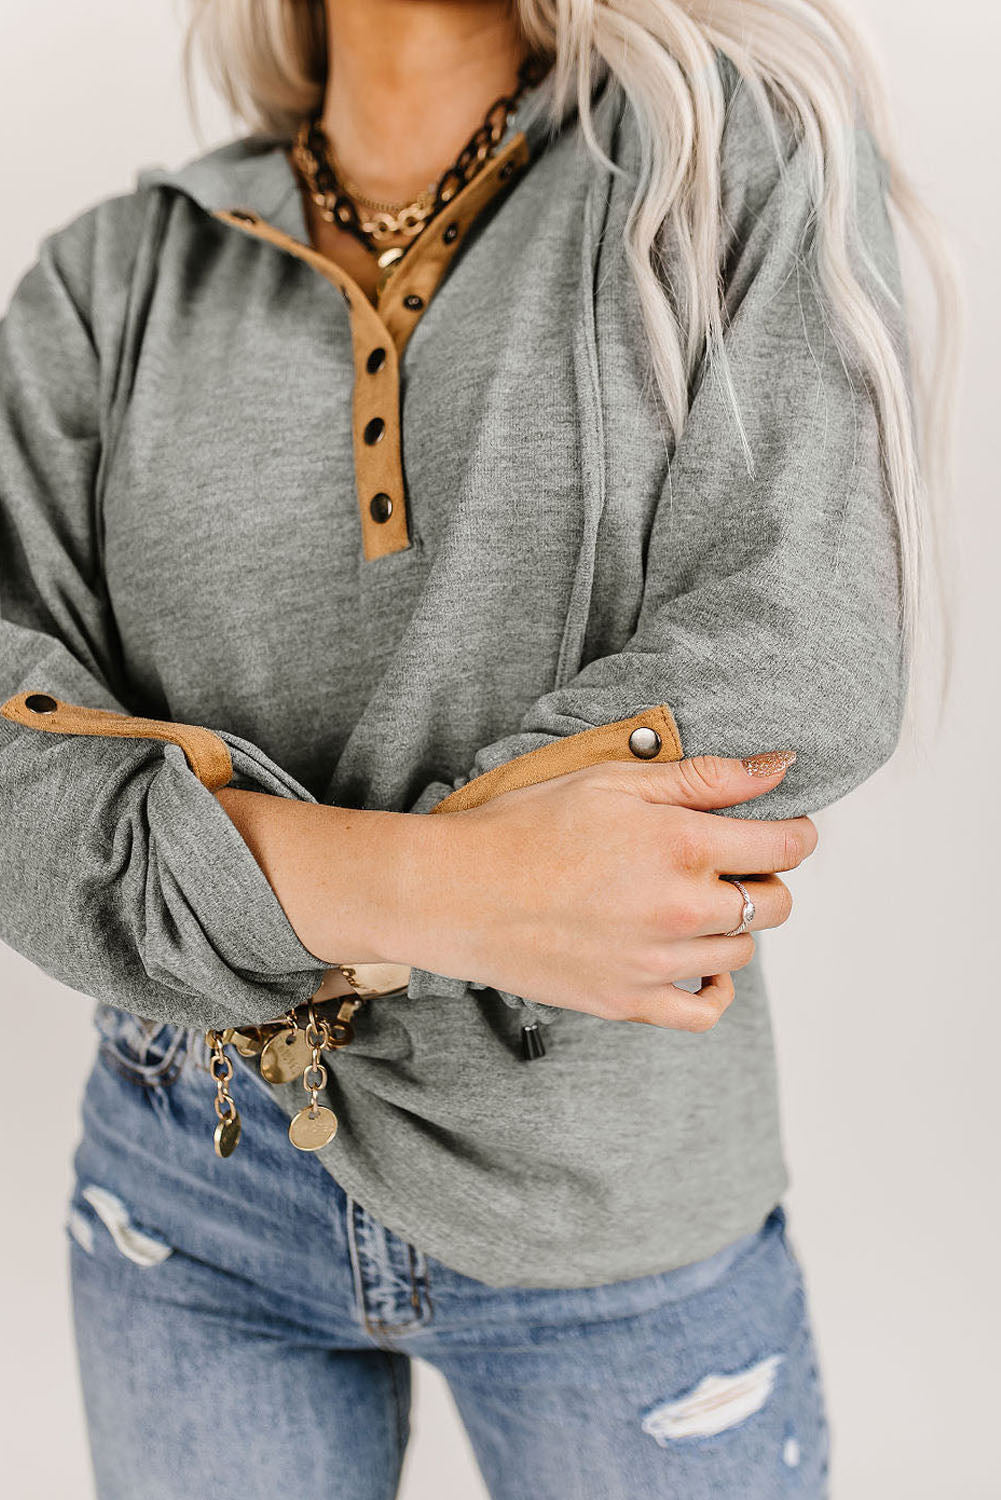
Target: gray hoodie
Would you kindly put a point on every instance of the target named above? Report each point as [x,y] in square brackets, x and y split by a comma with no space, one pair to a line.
[193,527]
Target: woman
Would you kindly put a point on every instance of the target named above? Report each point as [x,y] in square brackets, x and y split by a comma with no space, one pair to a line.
[516,425]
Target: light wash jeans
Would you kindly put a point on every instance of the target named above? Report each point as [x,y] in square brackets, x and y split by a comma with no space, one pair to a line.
[245,1329]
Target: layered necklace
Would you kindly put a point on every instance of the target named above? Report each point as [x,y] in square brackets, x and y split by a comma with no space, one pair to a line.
[341,202]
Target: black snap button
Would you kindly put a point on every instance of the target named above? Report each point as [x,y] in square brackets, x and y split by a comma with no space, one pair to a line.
[374,430]
[414,302]
[41,703]
[375,361]
[380,507]
[450,233]
[505,171]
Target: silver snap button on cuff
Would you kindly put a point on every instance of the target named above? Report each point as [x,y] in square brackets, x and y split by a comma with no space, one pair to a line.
[644,743]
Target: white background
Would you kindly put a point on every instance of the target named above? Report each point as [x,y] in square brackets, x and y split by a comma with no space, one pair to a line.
[884,987]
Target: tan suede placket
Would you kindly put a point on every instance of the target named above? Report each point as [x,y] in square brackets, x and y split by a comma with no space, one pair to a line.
[379,335]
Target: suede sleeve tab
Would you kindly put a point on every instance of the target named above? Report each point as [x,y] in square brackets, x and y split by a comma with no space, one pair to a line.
[615,741]
[207,755]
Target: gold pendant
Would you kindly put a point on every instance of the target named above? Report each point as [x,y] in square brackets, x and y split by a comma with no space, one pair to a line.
[248,1042]
[284,1056]
[227,1134]
[312,1127]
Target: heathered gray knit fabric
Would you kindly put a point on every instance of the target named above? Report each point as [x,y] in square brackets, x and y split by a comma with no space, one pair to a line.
[179,537]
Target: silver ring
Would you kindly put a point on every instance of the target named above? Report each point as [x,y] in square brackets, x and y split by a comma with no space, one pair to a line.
[747,915]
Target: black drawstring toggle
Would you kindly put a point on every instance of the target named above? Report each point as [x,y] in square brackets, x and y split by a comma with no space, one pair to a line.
[532,1045]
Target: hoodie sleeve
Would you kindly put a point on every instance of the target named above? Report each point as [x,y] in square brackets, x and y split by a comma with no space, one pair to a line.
[121,875]
[769,617]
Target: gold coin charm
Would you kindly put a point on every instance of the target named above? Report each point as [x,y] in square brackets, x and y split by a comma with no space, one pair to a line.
[284,1056]
[312,1127]
[248,1041]
[227,1133]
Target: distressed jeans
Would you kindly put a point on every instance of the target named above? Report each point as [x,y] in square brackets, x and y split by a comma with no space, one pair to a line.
[244,1328]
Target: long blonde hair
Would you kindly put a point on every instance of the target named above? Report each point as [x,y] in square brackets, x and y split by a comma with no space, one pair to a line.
[802,58]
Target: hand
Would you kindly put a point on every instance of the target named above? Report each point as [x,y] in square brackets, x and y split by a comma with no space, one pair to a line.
[598,890]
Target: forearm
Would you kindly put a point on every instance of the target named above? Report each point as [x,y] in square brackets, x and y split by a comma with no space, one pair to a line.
[388,887]
[347,879]
[536,890]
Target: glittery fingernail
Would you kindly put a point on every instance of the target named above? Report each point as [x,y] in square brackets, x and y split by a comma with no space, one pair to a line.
[768,764]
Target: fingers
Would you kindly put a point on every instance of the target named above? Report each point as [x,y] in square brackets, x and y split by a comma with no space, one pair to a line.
[708,783]
[731,845]
[705,782]
[725,905]
[711,955]
[677,1010]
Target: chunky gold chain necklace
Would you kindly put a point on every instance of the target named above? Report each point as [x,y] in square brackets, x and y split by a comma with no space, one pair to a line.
[373,222]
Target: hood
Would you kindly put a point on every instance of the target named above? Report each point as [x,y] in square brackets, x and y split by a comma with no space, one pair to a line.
[250,172]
